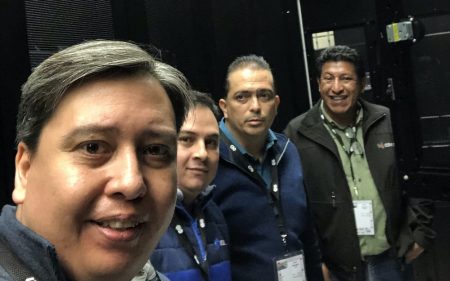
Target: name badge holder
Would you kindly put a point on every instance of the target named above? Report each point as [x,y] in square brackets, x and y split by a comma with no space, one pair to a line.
[364,217]
[290,267]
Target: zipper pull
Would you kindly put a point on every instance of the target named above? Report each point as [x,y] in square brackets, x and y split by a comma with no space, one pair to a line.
[333,199]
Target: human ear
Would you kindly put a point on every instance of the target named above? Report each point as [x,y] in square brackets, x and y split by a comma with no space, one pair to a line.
[223,107]
[23,163]
[277,102]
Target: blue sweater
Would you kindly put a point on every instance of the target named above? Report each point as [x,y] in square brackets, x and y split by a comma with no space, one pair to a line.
[171,258]
[254,235]
[32,250]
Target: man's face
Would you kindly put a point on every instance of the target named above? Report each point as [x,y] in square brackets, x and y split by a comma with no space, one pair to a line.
[198,151]
[339,88]
[251,104]
[101,184]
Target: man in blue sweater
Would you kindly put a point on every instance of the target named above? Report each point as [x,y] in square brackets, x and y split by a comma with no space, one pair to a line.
[195,246]
[95,175]
[259,183]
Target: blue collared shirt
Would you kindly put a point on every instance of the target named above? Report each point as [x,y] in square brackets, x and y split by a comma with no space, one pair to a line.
[263,168]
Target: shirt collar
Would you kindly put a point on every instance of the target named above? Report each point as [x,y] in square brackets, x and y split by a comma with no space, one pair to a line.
[271,138]
[359,117]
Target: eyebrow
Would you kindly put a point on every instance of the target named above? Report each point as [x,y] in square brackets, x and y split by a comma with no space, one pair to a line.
[168,135]
[188,132]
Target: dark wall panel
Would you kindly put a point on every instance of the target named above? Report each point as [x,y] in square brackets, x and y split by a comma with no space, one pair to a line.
[14,69]
[324,14]
[55,24]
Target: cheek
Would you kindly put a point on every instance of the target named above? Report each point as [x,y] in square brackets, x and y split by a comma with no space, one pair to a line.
[61,184]
[162,187]
[183,155]
[214,164]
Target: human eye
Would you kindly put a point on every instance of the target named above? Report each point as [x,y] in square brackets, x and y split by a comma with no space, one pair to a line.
[157,152]
[347,79]
[212,143]
[241,97]
[327,78]
[94,148]
[93,152]
[265,95]
[185,140]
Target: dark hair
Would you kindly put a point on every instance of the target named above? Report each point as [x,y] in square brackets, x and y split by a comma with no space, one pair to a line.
[341,53]
[205,100]
[250,61]
[88,61]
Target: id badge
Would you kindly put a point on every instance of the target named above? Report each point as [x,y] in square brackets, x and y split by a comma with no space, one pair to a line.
[290,267]
[364,217]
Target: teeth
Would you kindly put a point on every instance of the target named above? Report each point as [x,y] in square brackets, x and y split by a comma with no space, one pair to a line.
[337,97]
[119,224]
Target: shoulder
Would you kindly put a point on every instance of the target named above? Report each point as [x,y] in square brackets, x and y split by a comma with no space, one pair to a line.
[296,122]
[4,276]
[304,121]
[374,109]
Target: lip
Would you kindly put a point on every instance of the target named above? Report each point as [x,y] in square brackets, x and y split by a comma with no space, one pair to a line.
[120,228]
[338,98]
[255,121]
[198,169]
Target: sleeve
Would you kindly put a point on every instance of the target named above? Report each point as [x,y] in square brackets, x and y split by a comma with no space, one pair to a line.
[313,264]
[420,219]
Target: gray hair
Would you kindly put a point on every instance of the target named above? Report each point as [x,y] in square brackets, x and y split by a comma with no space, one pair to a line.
[88,61]
[248,61]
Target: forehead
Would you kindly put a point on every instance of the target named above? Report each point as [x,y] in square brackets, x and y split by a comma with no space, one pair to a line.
[110,101]
[200,118]
[250,77]
[340,67]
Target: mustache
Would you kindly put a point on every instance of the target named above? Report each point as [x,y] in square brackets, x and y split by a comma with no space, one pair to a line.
[255,117]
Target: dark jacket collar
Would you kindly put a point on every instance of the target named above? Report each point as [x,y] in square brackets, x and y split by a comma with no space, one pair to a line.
[312,124]
[34,251]
[278,149]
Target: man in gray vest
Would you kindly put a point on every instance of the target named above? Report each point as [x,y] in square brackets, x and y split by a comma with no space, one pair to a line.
[367,227]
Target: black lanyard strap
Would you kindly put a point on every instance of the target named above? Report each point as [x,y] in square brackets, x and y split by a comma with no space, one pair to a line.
[273,193]
[202,264]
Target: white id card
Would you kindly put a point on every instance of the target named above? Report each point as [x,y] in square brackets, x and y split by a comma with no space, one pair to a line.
[291,267]
[364,217]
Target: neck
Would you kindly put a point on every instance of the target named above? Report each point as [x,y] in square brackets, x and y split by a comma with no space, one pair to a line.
[256,148]
[189,199]
[254,145]
[344,120]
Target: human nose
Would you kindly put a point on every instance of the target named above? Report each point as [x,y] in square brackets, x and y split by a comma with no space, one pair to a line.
[255,105]
[127,177]
[200,151]
[337,85]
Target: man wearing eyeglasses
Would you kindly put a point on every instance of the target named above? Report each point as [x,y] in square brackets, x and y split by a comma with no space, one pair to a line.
[366,225]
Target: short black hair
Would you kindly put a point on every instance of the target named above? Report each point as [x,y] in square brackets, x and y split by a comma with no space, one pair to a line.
[251,61]
[341,53]
[205,100]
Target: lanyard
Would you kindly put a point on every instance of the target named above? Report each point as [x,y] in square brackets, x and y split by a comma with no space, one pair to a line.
[273,194]
[353,147]
[201,262]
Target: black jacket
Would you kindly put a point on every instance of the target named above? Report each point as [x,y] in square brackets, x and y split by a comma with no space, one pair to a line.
[329,195]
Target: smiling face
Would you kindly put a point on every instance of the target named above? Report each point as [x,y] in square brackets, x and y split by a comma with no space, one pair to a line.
[251,104]
[198,152]
[340,88]
[101,184]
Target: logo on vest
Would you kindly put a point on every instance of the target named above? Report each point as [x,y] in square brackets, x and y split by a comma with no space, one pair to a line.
[382,145]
